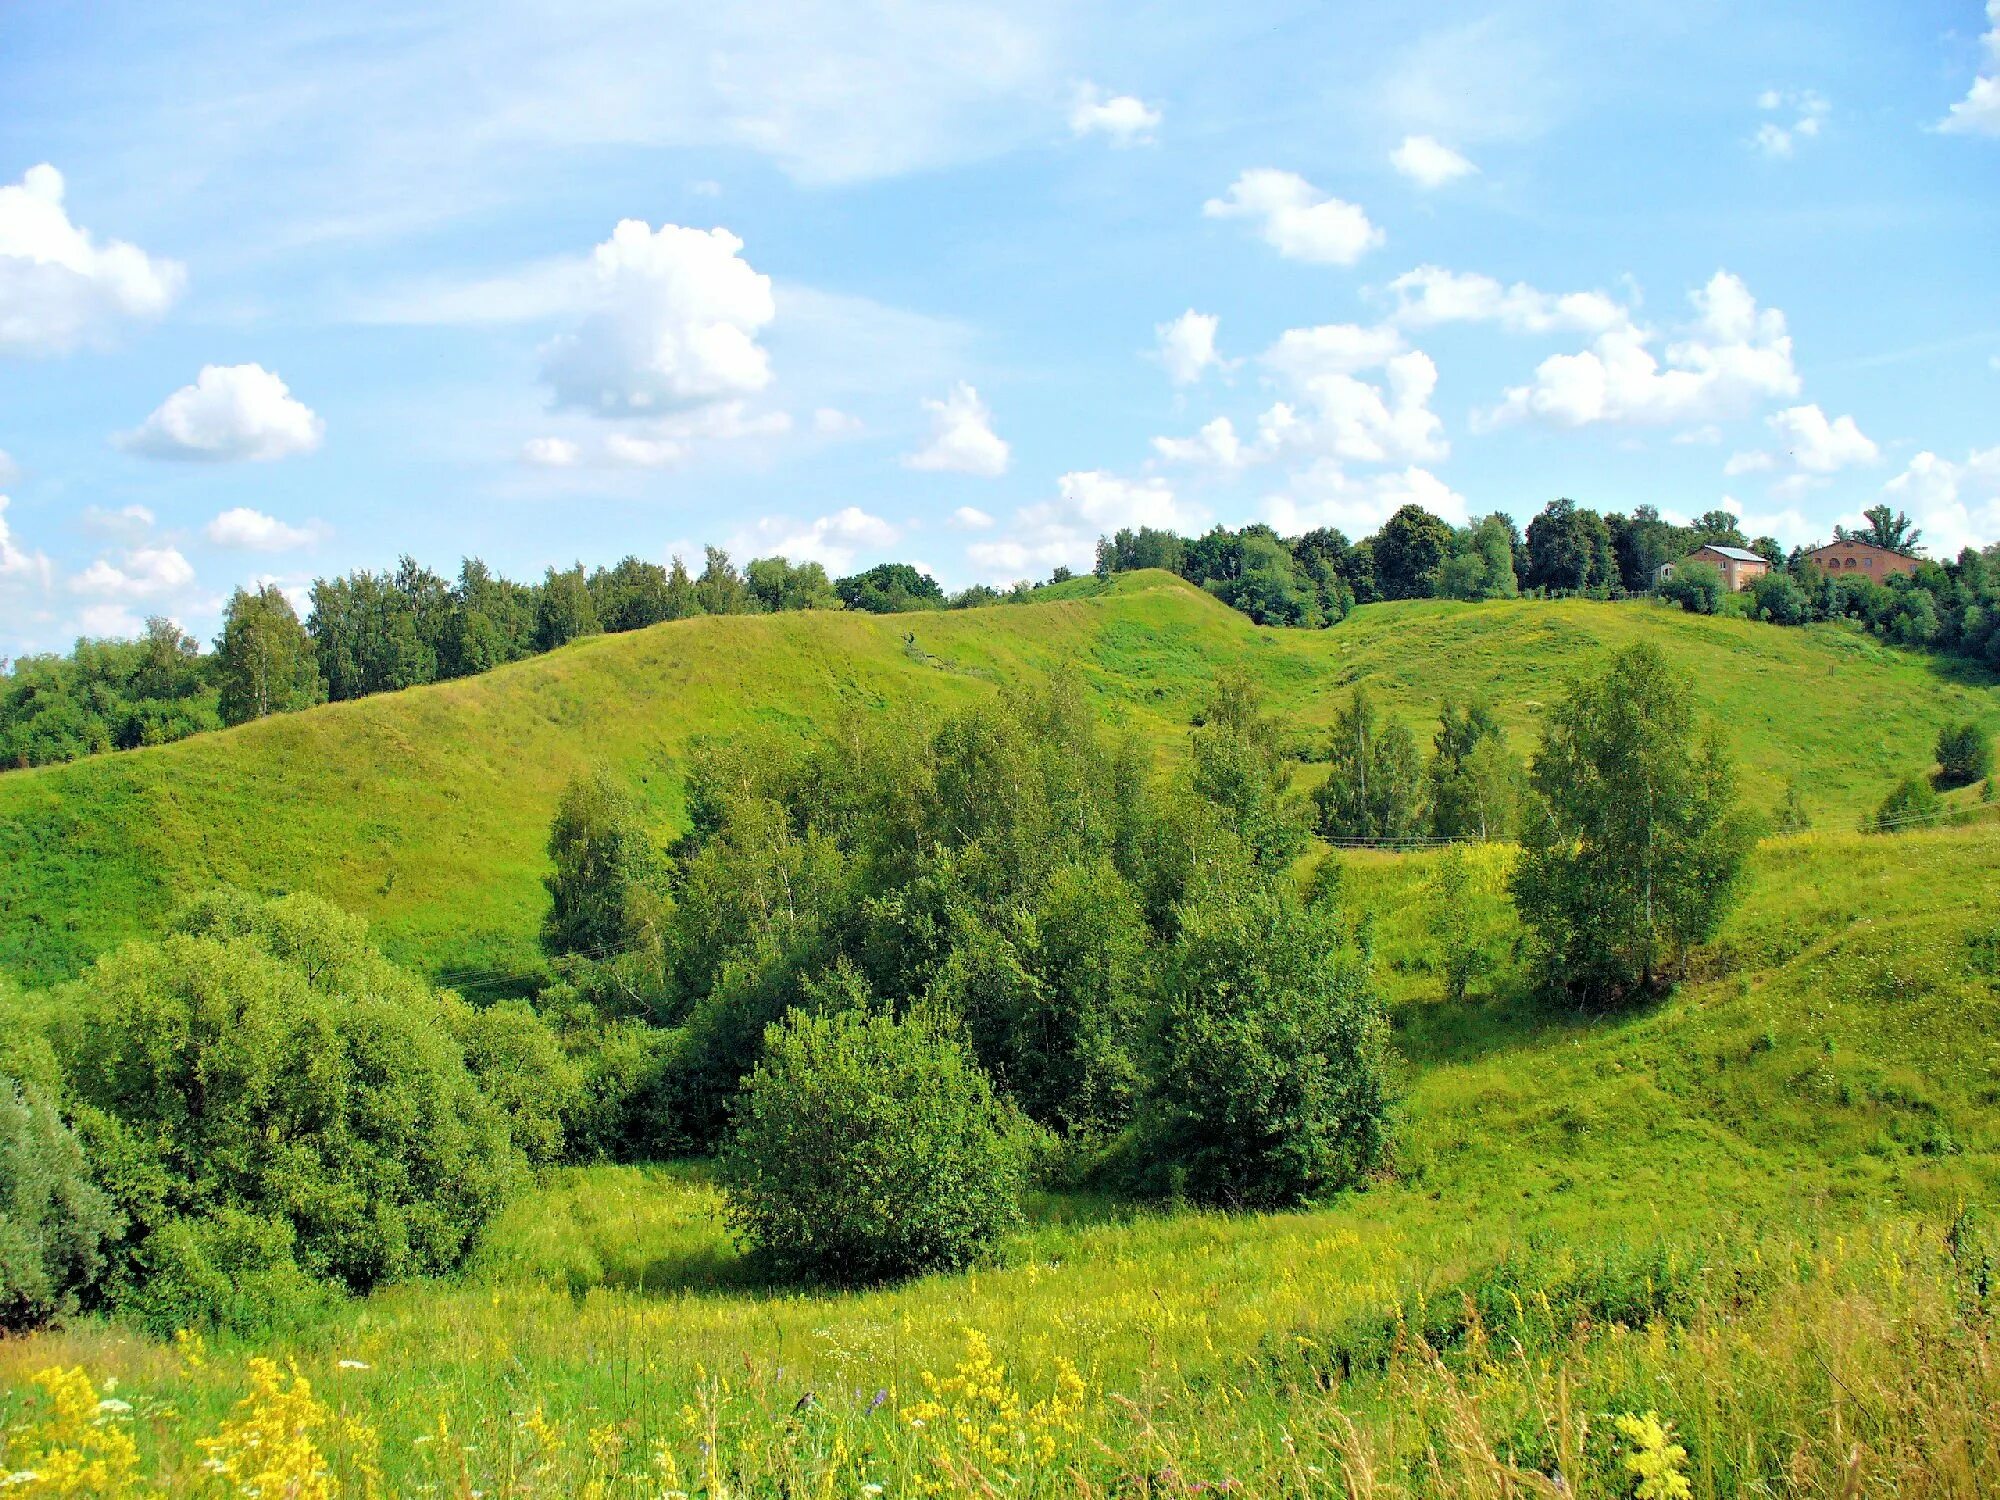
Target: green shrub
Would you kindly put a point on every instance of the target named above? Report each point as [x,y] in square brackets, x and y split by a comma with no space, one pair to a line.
[54,1221]
[1911,803]
[866,1147]
[1964,755]
[519,1064]
[1696,587]
[1778,598]
[1268,1079]
[283,1105]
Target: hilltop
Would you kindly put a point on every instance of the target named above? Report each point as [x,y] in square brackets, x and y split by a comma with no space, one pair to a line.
[426,810]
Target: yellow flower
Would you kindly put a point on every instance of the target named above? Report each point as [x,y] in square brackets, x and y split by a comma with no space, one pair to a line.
[1655,1460]
[78,1448]
[270,1443]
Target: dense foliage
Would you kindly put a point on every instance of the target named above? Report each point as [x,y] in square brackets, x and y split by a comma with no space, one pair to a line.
[54,1220]
[1632,844]
[866,1147]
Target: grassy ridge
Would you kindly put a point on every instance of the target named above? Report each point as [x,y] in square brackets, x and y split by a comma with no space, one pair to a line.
[1731,1208]
[426,810]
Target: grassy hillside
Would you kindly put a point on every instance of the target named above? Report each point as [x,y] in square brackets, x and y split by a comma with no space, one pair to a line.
[1735,1209]
[426,810]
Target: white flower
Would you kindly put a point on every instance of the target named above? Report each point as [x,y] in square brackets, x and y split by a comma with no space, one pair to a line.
[351,1364]
[19,1476]
[111,1407]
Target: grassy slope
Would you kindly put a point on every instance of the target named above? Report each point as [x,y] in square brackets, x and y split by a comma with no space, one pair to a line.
[426,810]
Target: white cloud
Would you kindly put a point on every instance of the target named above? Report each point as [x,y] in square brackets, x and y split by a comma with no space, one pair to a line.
[9,470]
[1804,114]
[18,566]
[1731,359]
[1064,531]
[1124,120]
[108,622]
[551,453]
[142,573]
[1428,162]
[962,437]
[641,452]
[831,541]
[1302,354]
[1327,495]
[971,518]
[254,531]
[831,422]
[58,287]
[1978,113]
[1296,219]
[1340,416]
[675,315]
[1754,462]
[1820,446]
[230,413]
[1789,526]
[1187,346]
[1956,504]
[1216,444]
[1431,295]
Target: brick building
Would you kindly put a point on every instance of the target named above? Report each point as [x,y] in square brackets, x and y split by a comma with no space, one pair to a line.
[1738,566]
[1864,558]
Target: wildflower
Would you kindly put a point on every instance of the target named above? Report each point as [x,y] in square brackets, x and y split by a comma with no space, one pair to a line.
[112,1407]
[1655,1460]
[72,1450]
[351,1364]
[268,1445]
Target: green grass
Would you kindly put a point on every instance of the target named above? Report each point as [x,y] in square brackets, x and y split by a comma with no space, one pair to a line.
[1730,1207]
[426,810]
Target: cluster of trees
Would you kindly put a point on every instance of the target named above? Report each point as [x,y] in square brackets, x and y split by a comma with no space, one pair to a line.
[1315,579]
[254,1114]
[1378,791]
[377,632]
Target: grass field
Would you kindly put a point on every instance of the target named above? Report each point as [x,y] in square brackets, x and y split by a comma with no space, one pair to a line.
[1756,1210]
[426,810]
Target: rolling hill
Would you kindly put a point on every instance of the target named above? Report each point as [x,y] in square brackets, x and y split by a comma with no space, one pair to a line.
[426,810]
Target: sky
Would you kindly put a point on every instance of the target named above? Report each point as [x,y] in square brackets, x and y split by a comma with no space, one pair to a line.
[290,290]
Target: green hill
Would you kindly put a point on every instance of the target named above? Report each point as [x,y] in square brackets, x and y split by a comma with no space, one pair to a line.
[426,810]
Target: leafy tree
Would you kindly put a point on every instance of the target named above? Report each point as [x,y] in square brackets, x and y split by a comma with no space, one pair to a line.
[602,890]
[1642,543]
[1885,528]
[1239,764]
[866,1147]
[1569,549]
[565,610]
[1374,783]
[1473,780]
[630,596]
[778,585]
[683,595]
[890,588]
[1268,1084]
[1696,587]
[1481,564]
[1407,552]
[1457,919]
[1266,584]
[1911,803]
[1777,597]
[265,659]
[1964,755]
[54,1221]
[1129,551]
[277,1111]
[721,590]
[1792,816]
[1631,851]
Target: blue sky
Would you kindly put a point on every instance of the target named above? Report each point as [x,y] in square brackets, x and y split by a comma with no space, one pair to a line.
[294,289]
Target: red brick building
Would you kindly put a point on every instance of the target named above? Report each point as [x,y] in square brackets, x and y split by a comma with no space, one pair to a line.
[1864,559]
[1738,566]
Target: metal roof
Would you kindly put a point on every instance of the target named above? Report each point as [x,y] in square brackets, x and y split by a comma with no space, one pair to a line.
[1741,554]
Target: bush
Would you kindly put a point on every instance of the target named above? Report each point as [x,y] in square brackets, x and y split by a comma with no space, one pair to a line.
[1778,598]
[274,1105]
[1910,803]
[1696,587]
[54,1221]
[1964,754]
[1268,1084]
[866,1147]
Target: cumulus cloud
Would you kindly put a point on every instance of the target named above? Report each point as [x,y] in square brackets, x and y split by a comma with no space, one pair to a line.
[253,531]
[962,437]
[141,573]
[1216,445]
[971,518]
[1428,162]
[59,288]
[1956,504]
[551,453]
[1187,346]
[1303,354]
[1431,295]
[1325,494]
[18,566]
[674,324]
[1820,446]
[1800,116]
[1296,219]
[830,422]
[1120,118]
[1063,531]
[1978,113]
[1344,417]
[833,541]
[129,523]
[230,413]
[1733,357]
